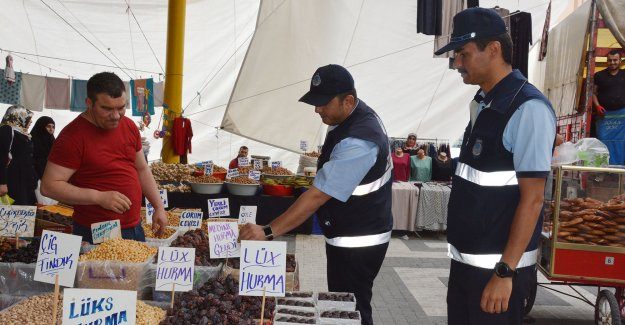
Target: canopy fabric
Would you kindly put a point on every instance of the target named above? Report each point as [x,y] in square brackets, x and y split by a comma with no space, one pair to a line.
[612,13]
[377,40]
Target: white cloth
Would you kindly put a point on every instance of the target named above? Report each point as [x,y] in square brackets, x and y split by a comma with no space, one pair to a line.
[159,93]
[33,92]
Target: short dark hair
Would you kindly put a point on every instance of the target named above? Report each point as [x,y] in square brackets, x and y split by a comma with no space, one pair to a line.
[503,39]
[243,147]
[342,96]
[107,83]
[616,52]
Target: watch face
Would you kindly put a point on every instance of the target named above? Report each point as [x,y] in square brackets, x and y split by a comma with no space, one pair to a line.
[502,270]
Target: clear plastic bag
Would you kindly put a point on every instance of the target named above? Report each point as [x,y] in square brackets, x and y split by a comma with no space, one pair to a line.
[18,279]
[565,154]
[112,275]
[593,152]
[7,301]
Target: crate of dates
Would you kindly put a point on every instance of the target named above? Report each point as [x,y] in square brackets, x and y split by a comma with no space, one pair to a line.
[280,319]
[336,300]
[342,317]
[301,295]
[293,304]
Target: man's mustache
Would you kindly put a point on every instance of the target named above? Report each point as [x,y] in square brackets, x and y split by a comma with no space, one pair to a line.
[462,71]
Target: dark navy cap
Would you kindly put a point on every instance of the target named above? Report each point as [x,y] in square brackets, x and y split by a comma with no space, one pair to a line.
[327,82]
[472,24]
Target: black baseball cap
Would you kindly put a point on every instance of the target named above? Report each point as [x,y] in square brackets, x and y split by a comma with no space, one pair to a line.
[327,82]
[472,24]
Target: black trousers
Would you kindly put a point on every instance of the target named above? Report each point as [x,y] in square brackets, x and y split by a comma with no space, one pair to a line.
[353,270]
[464,293]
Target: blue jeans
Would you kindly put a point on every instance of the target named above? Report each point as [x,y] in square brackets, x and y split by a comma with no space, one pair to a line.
[135,233]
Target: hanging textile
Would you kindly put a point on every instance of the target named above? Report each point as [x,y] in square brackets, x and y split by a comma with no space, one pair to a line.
[182,134]
[449,9]
[9,73]
[79,95]
[33,92]
[429,16]
[505,15]
[545,35]
[57,93]
[521,34]
[128,95]
[10,91]
[159,93]
[142,91]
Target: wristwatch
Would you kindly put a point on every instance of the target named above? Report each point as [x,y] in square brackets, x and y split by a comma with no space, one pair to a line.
[504,270]
[268,232]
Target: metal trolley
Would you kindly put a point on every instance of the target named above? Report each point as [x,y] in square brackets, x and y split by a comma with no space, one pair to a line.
[583,238]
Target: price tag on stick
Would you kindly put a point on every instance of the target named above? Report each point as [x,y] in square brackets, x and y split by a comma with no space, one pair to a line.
[58,256]
[218,208]
[247,214]
[303,145]
[191,219]
[263,268]
[103,231]
[175,269]
[223,239]
[17,220]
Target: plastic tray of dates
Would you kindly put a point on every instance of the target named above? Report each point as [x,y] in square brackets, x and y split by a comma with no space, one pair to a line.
[280,319]
[301,295]
[294,312]
[293,304]
[336,300]
[339,317]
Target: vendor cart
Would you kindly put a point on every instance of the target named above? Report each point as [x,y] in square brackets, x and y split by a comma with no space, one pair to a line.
[583,237]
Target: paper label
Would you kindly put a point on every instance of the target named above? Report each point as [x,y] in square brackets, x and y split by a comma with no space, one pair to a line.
[97,306]
[175,265]
[232,173]
[17,220]
[263,268]
[218,208]
[208,168]
[247,214]
[103,231]
[276,164]
[258,164]
[223,239]
[303,145]
[58,254]
[244,161]
[254,174]
[191,219]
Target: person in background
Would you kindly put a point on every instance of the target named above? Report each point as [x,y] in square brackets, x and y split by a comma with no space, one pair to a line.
[234,163]
[401,165]
[420,167]
[43,138]
[411,144]
[442,168]
[17,173]
[609,90]
[97,165]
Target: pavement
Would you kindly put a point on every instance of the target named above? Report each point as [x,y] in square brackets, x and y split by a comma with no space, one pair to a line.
[412,284]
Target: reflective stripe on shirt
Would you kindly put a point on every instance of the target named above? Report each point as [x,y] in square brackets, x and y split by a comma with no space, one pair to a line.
[498,178]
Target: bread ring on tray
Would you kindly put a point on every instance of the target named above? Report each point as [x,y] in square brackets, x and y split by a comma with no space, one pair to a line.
[573,222]
[597,232]
[584,227]
[590,217]
[575,239]
[609,223]
[564,233]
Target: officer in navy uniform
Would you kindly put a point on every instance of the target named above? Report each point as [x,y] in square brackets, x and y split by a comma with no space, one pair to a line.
[351,192]
[495,208]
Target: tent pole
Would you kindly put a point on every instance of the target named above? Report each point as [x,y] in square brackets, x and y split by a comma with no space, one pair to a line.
[590,70]
[176,12]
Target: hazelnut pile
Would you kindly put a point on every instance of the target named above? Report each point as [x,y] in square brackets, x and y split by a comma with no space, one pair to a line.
[243,180]
[280,171]
[120,250]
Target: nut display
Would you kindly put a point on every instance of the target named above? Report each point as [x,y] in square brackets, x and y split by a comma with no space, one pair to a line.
[295,312]
[35,310]
[121,250]
[182,188]
[170,172]
[340,314]
[26,254]
[243,180]
[280,171]
[173,219]
[313,154]
[147,229]
[336,296]
[244,170]
[149,315]
[590,221]
[296,181]
[206,179]
[217,302]
[219,169]
[199,240]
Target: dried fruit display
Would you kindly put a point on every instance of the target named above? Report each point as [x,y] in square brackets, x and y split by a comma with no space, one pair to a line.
[340,314]
[299,294]
[295,312]
[295,320]
[27,254]
[199,240]
[292,302]
[54,217]
[219,169]
[243,180]
[280,171]
[244,170]
[217,302]
[173,219]
[120,250]
[336,296]
[5,245]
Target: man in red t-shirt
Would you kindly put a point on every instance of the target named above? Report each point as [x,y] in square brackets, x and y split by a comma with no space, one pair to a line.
[97,165]
[234,163]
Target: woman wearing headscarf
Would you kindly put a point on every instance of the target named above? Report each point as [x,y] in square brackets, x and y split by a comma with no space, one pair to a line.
[17,172]
[43,138]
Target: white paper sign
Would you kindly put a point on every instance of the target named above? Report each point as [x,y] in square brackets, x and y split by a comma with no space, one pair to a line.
[175,265]
[163,194]
[17,220]
[218,208]
[97,306]
[232,173]
[247,214]
[149,212]
[263,265]
[258,164]
[208,168]
[103,231]
[244,161]
[254,174]
[58,254]
[223,239]
[303,145]
[191,219]
[276,164]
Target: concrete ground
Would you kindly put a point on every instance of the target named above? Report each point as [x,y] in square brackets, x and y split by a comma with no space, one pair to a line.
[412,284]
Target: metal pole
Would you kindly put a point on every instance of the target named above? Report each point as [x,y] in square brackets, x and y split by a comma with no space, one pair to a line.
[590,69]
[173,75]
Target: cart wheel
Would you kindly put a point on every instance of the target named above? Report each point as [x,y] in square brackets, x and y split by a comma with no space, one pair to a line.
[607,311]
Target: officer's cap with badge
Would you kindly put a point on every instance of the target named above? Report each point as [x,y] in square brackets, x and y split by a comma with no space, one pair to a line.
[327,82]
[473,24]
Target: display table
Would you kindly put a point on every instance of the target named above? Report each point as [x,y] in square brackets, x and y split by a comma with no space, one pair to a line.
[269,207]
[432,208]
[404,205]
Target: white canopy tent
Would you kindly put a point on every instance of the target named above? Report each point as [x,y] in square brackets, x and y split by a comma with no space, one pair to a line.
[393,66]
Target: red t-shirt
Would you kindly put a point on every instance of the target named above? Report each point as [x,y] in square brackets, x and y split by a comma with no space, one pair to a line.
[401,167]
[104,160]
